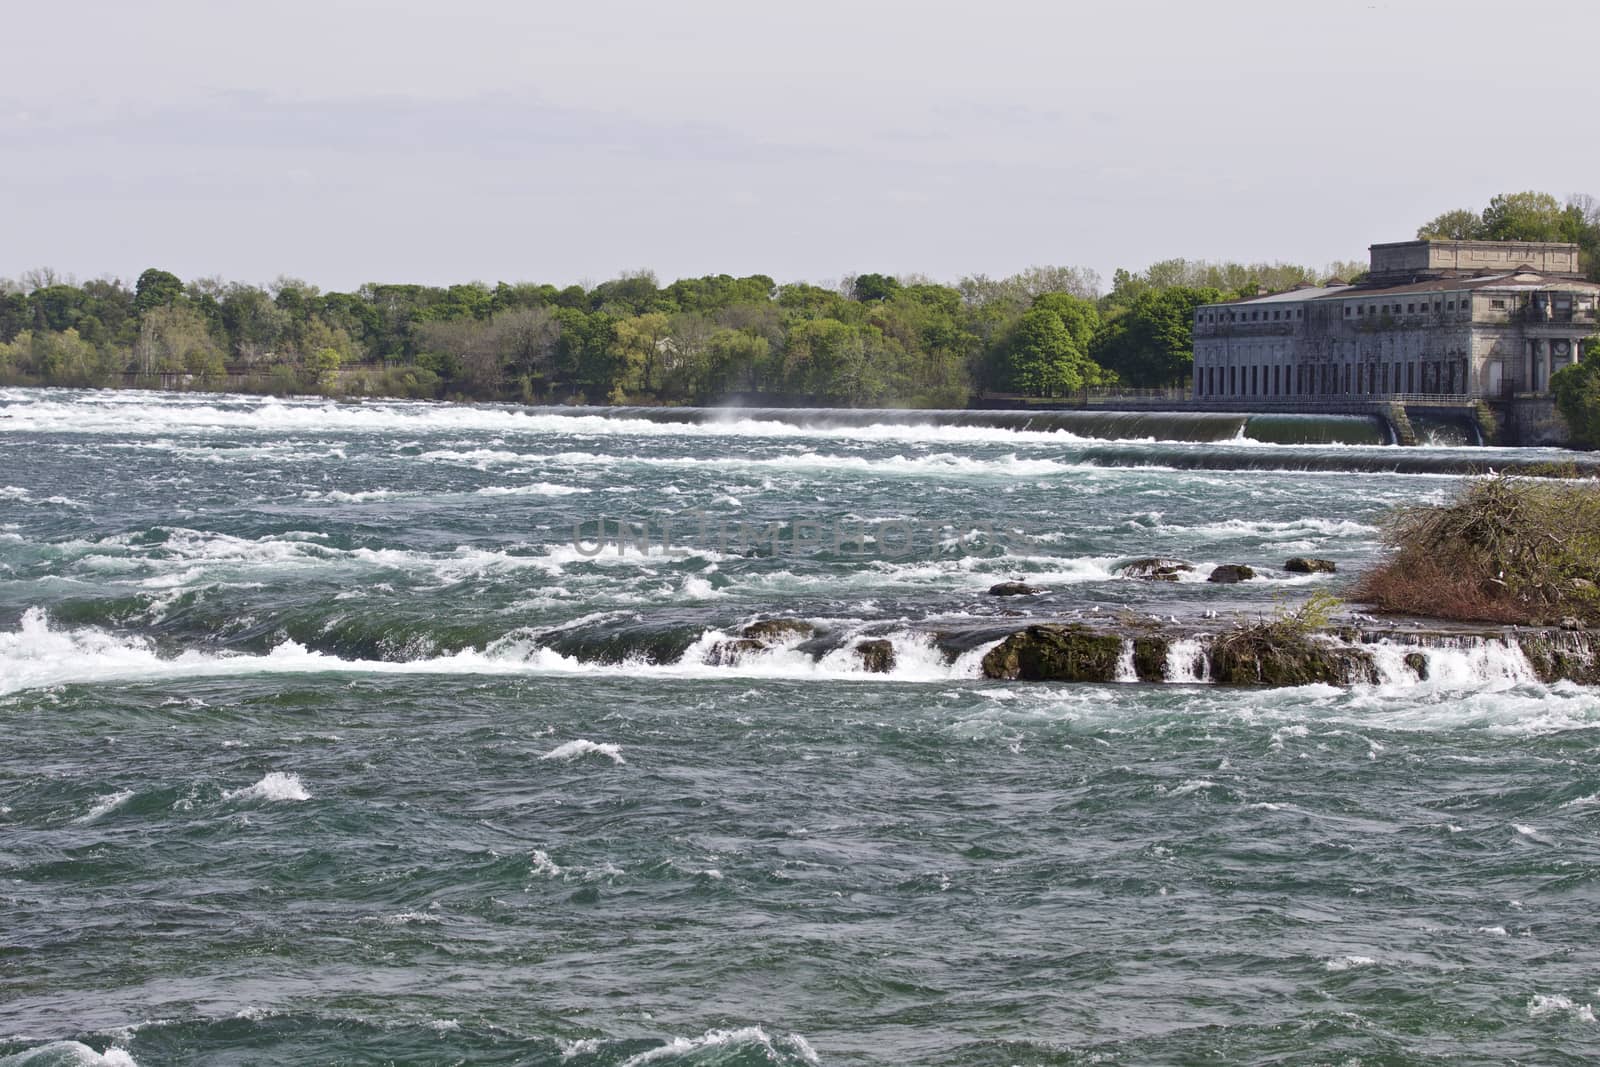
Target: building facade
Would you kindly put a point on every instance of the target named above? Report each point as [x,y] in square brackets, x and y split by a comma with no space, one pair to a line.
[1461,318]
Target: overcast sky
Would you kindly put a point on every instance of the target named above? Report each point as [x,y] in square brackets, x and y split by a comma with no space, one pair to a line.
[345,141]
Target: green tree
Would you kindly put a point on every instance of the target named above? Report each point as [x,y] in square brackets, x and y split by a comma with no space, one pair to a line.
[1463,224]
[156,289]
[1526,216]
[868,288]
[1049,358]
[1151,343]
[1577,394]
[173,339]
[640,343]
[324,369]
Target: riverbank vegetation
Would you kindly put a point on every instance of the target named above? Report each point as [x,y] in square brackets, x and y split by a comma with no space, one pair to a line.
[1577,393]
[1506,550]
[870,340]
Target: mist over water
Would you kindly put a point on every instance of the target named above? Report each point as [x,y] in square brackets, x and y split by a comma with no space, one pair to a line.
[329,739]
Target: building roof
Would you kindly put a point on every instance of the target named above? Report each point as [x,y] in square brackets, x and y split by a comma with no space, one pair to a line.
[1521,280]
[1289,296]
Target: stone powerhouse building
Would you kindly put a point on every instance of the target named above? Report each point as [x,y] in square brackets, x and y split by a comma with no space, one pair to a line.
[1489,319]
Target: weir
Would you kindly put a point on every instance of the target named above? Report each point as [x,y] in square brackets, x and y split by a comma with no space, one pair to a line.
[1187,424]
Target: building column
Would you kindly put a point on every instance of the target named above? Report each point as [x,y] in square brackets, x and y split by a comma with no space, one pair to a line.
[1544,367]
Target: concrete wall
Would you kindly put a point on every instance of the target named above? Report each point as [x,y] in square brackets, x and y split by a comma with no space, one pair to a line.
[1533,420]
[1417,257]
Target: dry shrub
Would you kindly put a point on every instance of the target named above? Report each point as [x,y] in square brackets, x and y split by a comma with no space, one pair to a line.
[1506,550]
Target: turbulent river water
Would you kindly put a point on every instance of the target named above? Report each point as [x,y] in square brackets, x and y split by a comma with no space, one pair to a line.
[350,733]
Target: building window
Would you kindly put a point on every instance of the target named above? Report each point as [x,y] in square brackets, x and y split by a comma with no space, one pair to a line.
[1497,304]
[1347,311]
[1451,306]
[1410,308]
[1436,306]
[1359,310]
[1254,315]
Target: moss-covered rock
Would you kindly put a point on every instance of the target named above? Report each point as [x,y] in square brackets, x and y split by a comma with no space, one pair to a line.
[1259,656]
[1418,663]
[1150,658]
[877,655]
[729,653]
[1055,653]
[1310,565]
[1562,656]
[779,630]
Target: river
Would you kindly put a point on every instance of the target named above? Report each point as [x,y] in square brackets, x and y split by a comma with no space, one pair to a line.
[424,733]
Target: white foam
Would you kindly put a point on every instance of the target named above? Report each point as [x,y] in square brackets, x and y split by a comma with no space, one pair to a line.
[936,465]
[339,496]
[1125,669]
[1187,661]
[68,1054]
[38,656]
[1470,663]
[155,415]
[1541,1005]
[753,1037]
[1309,528]
[582,747]
[1345,963]
[536,489]
[105,804]
[273,786]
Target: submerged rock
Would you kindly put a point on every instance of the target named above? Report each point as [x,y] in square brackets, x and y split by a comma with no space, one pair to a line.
[1229,573]
[1014,589]
[779,630]
[1052,652]
[1154,569]
[1310,565]
[877,655]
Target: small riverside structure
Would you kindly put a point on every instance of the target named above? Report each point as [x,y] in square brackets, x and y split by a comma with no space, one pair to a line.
[1461,321]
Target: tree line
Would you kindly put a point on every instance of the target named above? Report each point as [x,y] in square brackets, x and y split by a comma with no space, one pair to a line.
[871,340]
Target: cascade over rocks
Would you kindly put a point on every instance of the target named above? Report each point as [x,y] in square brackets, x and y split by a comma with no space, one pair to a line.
[1274,655]
[1153,568]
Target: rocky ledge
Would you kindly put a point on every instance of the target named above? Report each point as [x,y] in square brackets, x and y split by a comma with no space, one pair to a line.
[1266,656]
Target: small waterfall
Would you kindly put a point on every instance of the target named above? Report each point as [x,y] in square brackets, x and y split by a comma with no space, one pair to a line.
[1450,661]
[1187,661]
[1126,671]
[1296,429]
